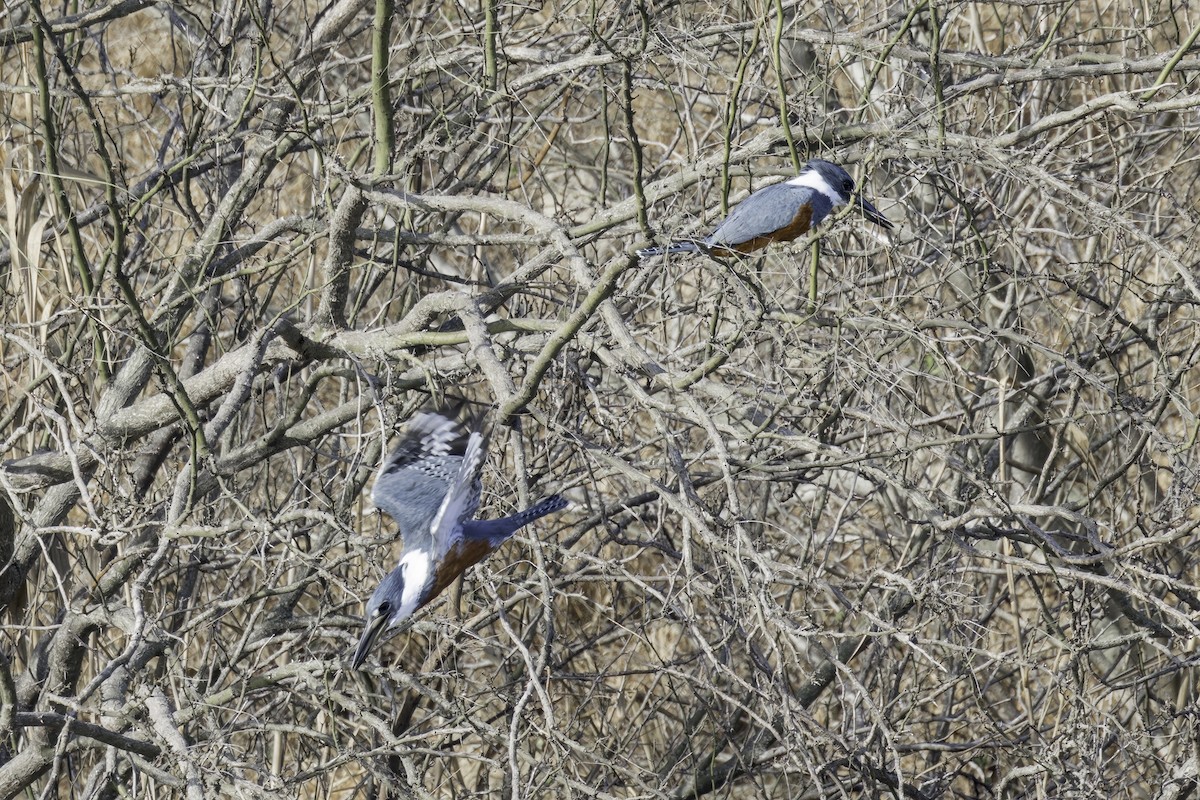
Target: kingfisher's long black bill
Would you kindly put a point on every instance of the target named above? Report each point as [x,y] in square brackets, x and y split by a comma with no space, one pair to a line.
[374,627]
[870,212]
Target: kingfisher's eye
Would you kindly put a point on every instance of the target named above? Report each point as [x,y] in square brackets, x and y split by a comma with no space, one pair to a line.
[848,185]
[383,610]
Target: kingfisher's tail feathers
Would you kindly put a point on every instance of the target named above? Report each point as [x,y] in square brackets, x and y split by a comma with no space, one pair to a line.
[551,504]
[504,527]
[673,247]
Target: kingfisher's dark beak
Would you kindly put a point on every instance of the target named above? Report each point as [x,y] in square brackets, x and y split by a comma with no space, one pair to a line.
[870,212]
[375,625]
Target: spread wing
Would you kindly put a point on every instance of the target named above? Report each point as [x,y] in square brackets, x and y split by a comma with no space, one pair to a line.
[461,499]
[414,483]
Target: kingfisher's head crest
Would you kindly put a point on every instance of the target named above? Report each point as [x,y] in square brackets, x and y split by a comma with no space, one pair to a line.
[839,186]
[836,184]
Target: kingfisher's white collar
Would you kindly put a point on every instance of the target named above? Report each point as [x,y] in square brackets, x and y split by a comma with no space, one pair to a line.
[417,565]
[811,179]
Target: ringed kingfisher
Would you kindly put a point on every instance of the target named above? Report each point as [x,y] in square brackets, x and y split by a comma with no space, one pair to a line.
[430,485]
[779,213]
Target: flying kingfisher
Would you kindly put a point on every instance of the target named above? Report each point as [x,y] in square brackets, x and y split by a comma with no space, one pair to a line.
[779,213]
[430,485]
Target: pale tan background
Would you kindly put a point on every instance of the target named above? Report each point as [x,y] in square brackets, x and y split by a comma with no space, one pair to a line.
[916,519]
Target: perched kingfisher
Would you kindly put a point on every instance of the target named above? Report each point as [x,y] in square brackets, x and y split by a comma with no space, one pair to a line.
[430,485]
[779,213]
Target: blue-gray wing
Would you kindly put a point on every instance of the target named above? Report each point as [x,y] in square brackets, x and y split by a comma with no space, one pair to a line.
[413,482]
[766,211]
[461,500]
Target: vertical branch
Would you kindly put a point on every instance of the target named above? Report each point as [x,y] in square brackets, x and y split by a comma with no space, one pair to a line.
[781,89]
[336,279]
[381,94]
[79,259]
[635,145]
[935,72]
[51,149]
[731,115]
[882,59]
[490,30]
[814,260]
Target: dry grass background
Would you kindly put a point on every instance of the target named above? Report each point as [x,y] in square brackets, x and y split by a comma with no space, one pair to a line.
[916,519]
